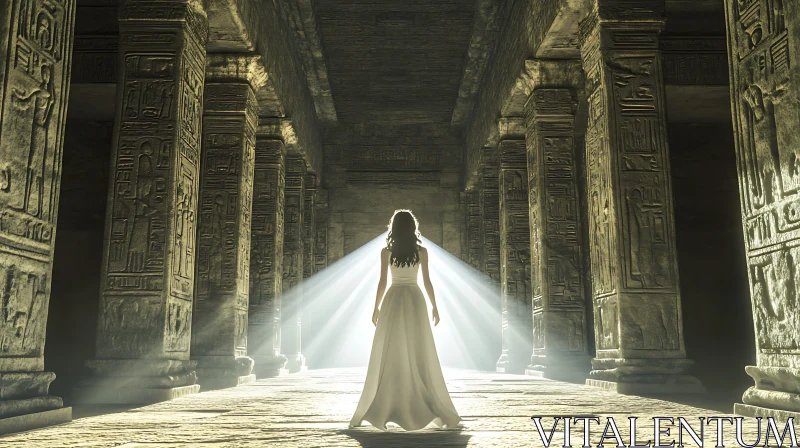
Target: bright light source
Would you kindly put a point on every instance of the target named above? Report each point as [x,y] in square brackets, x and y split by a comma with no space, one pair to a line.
[338,304]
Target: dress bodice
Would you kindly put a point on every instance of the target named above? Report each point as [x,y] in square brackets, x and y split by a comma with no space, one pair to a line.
[405,275]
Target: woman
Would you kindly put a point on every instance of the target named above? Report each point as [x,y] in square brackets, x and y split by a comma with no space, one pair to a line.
[404,382]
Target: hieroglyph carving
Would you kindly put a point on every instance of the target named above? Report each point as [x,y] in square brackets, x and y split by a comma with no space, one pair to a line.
[321,231]
[151,222]
[556,246]
[765,88]
[293,243]
[35,55]
[223,237]
[309,224]
[490,212]
[515,255]
[474,226]
[266,250]
[631,227]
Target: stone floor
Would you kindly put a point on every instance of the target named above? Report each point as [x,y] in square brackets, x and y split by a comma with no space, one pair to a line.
[312,409]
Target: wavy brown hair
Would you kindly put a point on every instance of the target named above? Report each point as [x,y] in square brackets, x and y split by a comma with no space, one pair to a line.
[403,239]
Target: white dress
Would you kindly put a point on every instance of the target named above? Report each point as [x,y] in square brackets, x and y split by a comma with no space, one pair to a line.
[404,382]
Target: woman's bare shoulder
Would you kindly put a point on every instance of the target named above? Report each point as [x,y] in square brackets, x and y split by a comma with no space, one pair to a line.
[423,250]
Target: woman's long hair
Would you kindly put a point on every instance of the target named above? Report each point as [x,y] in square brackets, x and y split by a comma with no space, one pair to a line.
[403,239]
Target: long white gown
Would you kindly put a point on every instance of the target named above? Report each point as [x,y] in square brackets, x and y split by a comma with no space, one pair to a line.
[404,382]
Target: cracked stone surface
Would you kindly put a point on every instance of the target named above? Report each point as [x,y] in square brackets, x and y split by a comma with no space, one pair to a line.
[312,409]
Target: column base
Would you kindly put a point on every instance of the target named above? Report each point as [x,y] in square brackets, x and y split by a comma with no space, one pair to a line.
[296,363]
[572,369]
[137,381]
[269,366]
[130,395]
[222,372]
[224,382]
[507,364]
[678,384]
[26,422]
[748,410]
[644,376]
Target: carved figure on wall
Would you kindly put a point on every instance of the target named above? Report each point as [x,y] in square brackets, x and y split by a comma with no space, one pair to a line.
[39,102]
[647,230]
[184,229]
[140,229]
[766,184]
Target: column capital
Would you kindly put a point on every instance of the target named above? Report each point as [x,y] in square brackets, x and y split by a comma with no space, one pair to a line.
[236,67]
[145,12]
[551,102]
[511,128]
[277,128]
[629,24]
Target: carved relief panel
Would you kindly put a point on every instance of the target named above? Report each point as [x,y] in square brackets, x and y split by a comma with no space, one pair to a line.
[35,56]
[490,211]
[556,246]
[266,266]
[223,236]
[765,87]
[631,224]
[152,213]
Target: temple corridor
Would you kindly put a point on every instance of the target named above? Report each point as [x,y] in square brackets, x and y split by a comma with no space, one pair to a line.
[191,192]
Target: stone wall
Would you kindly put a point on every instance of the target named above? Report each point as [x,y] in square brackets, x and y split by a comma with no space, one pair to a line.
[373,170]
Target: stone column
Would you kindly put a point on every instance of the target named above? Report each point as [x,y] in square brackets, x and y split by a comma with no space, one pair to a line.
[266,251]
[636,294]
[515,274]
[309,223]
[35,53]
[222,273]
[321,231]
[763,40]
[144,327]
[293,257]
[490,213]
[474,223]
[559,313]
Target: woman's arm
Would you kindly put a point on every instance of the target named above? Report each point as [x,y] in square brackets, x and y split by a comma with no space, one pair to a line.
[426,280]
[381,284]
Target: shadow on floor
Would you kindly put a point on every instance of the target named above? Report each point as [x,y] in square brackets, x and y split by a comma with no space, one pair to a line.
[450,438]
[84,411]
[720,401]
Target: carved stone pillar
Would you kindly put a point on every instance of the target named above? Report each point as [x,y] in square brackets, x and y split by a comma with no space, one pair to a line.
[765,86]
[559,312]
[310,190]
[636,294]
[35,52]
[222,274]
[321,231]
[515,274]
[144,328]
[266,251]
[489,198]
[474,226]
[293,257]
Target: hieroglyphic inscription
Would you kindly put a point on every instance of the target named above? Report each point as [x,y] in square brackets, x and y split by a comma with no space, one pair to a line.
[152,214]
[695,60]
[321,231]
[266,265]
[309,223]
[223,237]
[515,265]
[765,86]
[474,229]
[490,212]
[631,228]
[35,57]
[556,246]
[293,243]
